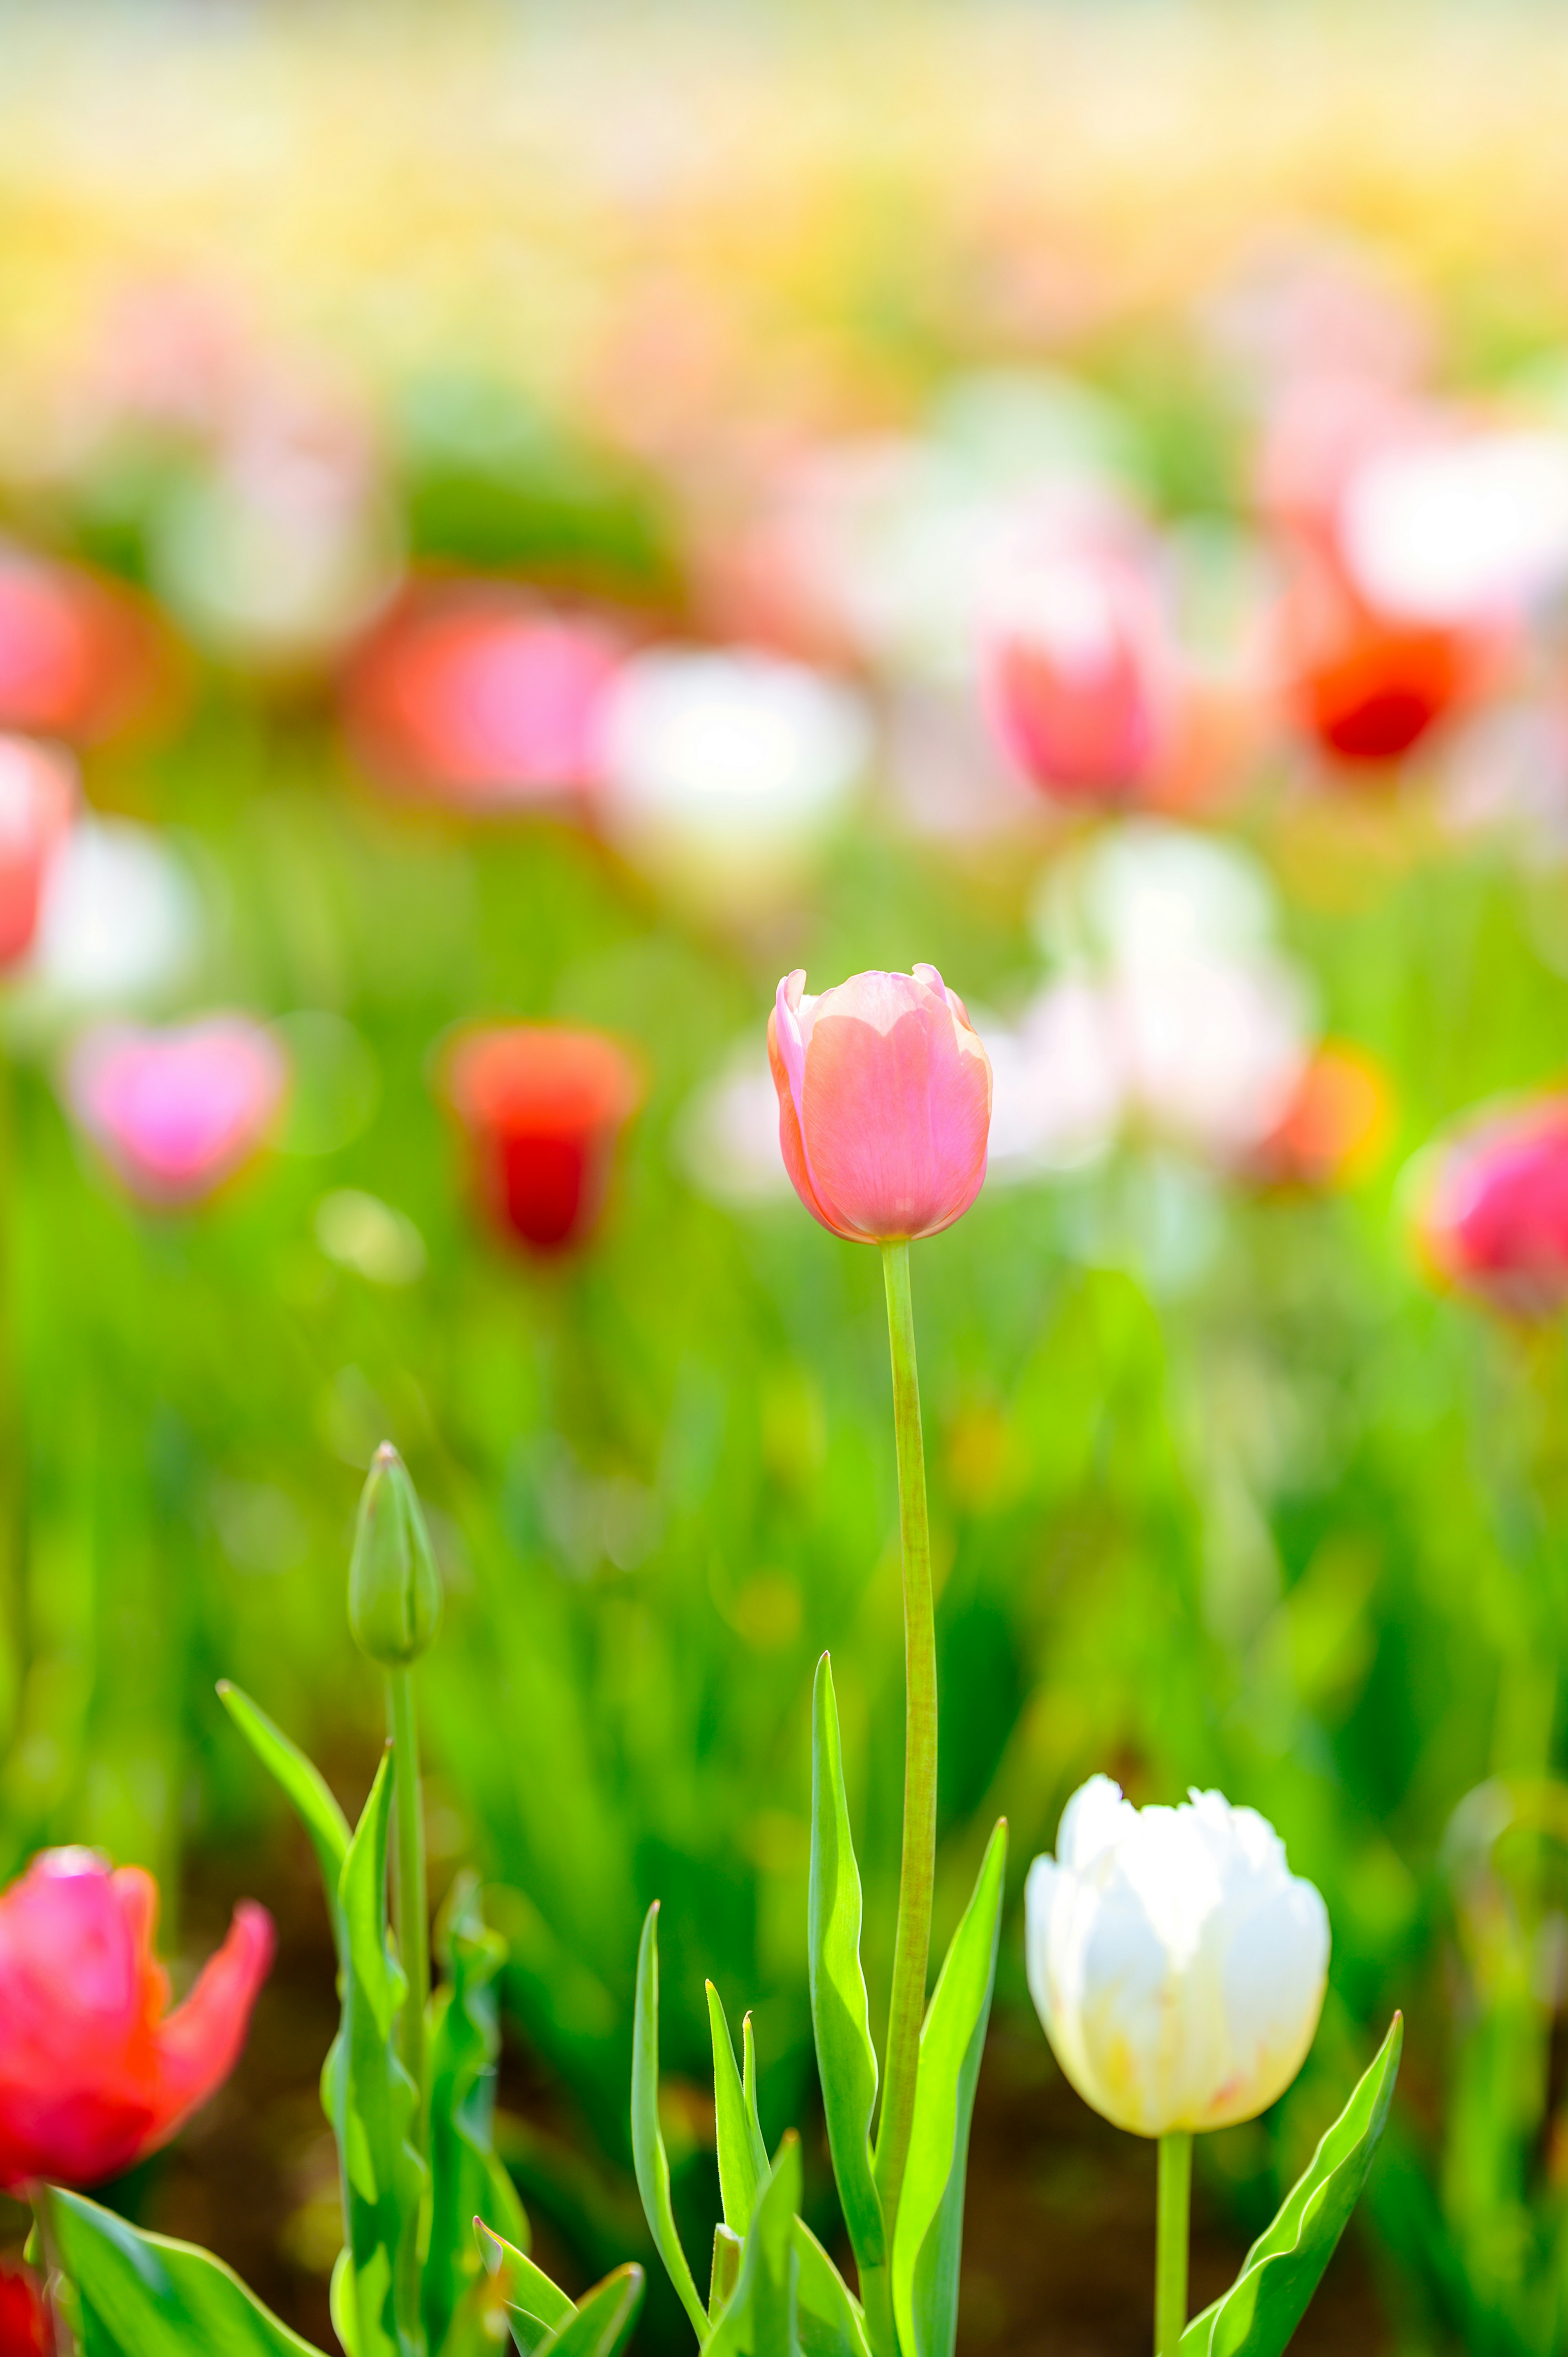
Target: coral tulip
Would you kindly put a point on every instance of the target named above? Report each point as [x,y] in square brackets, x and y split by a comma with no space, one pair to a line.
[1334,1128]
[1076,676]
[484,695]
[1177,1965]
[94,2071]
[1368,686]
[177,1112]
[76,657]
[1494,1217]
[543,1107]
[37,790]
[884,1102]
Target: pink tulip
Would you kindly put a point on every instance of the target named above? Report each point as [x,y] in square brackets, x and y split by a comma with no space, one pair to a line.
[37,790]
[94,2071]
[884,1102]
[1493,1219]
[482,696]
[1079,674]
[177,1112]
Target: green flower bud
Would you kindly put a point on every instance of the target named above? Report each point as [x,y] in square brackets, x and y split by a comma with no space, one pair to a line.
[394,1589]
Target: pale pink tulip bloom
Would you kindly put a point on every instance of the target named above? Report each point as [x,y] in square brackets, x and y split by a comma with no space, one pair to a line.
[1078,673]
[38,789]
[177,1112]
[884,1102]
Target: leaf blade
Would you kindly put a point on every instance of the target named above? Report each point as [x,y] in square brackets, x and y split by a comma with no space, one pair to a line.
[1279,2274]
[315,1802]
[738,2172]
[841,2013]
[650,2160]
[161,2298]
[930,2225]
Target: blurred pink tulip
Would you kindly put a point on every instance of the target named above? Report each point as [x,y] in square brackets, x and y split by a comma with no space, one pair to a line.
[38,789]
[483,696]
[177,1112]
[79,656]
[1077,673]
[95,2070]
[884,1102]
[1493,1217]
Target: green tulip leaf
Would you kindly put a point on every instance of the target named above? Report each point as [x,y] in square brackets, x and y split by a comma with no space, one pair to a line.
[760,2317]
[536,2308]
[829,2317]
[304,1784]
[463,2042]
[601,2323]
[841,2017]
[1268,2300]
[743,2160]
[373,2102]
[748,2085]
[143,2295]
[650,2158]
[930,2225]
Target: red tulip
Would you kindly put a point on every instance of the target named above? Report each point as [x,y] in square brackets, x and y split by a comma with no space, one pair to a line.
[76,656]
[94,2071]
[1077,674]
[884,1102]
[38,789]
[1366,687]
[544,1108]
[484,695]
[177,1112]
[1494,1217]
[24,2318]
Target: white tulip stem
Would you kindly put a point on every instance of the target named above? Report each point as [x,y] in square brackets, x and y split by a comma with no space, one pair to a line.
[912,1947]
[1171,2242]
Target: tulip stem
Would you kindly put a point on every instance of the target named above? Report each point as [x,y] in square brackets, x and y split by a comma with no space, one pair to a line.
[411,1903]
[1171,2242]
[912,1947]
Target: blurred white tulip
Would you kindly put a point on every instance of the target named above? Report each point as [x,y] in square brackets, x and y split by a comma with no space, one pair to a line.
[120,924]
[727,1138]
[1469,528]
[1057,1089]
[724,773]
[1213,1048]
[1177,1965]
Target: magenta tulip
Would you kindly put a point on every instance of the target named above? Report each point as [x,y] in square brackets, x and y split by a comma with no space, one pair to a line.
[177,1112]
[884,1102]
[1494,1218]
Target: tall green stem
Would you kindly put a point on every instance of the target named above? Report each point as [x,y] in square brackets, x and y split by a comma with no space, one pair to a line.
[912,1948]
[1171,2242]
[410,1901]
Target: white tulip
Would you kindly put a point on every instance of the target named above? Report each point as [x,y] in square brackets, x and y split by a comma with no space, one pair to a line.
[1177,1963]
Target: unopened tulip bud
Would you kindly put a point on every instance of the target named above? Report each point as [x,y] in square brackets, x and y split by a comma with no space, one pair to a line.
[394,1589]
[1178,1966]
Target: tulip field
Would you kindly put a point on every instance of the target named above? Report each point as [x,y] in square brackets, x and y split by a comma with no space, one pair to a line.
[784,1182]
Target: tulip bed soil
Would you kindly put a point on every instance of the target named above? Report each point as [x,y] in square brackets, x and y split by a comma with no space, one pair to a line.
[1058,2235]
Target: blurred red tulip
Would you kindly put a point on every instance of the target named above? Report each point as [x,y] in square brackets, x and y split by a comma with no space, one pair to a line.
[24,2318]
[1368,687]
[78,657]
[543,1107]
[483,696]
[94,2071]
[1493,1217]
[38,789]
[1077,675]
[177,1112]
[884,1102]
[1334,1127]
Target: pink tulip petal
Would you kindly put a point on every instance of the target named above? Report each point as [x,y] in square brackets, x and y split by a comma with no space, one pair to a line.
[199,2042]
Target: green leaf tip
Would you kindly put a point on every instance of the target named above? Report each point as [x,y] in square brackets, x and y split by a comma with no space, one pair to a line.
[650,2158]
